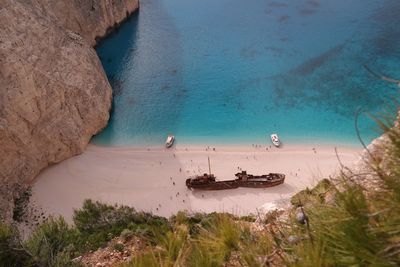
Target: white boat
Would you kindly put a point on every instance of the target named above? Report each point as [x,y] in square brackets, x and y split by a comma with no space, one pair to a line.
[275,140]
[170,141]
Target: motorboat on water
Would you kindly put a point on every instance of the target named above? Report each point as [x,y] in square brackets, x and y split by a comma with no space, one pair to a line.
[170,141]
[275,140]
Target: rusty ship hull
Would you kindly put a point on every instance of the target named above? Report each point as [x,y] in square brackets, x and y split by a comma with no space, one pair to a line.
[260,184]
[216,185]
[207,182]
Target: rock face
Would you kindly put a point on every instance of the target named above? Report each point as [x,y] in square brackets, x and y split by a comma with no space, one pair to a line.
[92,19]
[54,94]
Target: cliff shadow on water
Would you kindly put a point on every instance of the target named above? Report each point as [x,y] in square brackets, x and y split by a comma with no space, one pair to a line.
[143,63]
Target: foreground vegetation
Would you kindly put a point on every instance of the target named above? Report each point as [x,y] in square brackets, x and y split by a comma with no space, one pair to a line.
[353,220]
[55,243]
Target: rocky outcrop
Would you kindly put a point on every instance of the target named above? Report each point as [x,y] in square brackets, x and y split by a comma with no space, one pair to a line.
[54,94]
[92,19]
[376,154]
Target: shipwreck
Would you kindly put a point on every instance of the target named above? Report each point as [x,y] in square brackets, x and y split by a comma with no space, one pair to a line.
[243,179]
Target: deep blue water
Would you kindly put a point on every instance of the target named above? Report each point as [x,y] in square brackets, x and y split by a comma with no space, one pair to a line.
[234,71]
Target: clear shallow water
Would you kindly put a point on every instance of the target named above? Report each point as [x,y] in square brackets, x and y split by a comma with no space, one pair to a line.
[234,71]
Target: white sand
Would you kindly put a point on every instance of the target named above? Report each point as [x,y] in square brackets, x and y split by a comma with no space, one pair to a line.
[151,180]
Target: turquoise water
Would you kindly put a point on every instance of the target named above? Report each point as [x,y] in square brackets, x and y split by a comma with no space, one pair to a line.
[233,71]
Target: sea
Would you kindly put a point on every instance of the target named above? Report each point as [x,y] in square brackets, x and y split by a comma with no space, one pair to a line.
[234,72]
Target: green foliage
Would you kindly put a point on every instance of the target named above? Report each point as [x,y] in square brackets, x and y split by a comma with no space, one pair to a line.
[96,216]
[361,227]
[206,240]
[55,243]
[194,221]
[51,244]
[171,250]
[148,259]
[11,251]
[315,195]
[213,246]
[98,223]
[173,243]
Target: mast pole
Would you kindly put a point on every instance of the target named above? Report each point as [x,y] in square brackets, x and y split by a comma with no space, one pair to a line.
[209,167]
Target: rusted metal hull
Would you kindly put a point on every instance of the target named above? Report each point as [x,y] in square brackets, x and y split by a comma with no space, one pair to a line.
[259,184]
[221,185]
[256,182]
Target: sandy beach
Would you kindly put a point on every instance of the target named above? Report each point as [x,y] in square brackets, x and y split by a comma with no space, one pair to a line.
[153,179]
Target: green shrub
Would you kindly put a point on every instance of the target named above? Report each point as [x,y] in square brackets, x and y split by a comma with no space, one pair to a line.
[171,250]
[315,195]
[11,251]
[51,244]
[98,223]
[214,244]
[193,221]
[173,244]
[148,259]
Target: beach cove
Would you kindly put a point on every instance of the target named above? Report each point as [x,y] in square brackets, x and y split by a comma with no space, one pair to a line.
[199,133]
[210,73]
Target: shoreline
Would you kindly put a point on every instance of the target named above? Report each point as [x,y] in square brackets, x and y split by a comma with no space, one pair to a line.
[245,146]
[153,179]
